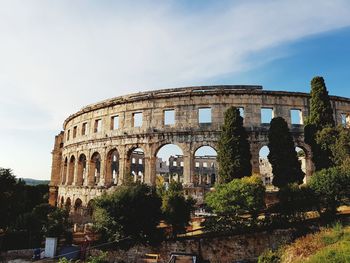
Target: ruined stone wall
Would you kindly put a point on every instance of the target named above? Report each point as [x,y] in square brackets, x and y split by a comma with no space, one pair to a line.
[93,133]
[216,249]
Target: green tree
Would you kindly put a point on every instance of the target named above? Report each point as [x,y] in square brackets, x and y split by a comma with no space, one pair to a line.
[337,142]
[132,212]
[332,188]
[176,208]
[286,168]
[321,116]
[231,201]
[233,148]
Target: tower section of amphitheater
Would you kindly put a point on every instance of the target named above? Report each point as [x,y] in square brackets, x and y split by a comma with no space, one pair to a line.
[94,152]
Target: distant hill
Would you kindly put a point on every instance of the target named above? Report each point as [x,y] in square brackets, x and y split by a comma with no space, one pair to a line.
[30,181]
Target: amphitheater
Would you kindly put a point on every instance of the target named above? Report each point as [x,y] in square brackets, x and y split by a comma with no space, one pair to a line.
[95,151]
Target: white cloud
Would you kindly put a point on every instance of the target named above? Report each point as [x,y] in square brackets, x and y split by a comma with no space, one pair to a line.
[57,56]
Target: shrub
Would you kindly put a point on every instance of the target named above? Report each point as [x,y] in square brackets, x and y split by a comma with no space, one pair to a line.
[269,256]
[332,188]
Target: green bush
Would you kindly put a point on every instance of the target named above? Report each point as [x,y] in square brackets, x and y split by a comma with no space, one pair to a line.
[332,189]
[269,256]
[236,203]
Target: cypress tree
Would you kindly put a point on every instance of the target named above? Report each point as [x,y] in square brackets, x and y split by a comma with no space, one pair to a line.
[321,112]
[286,168]
[321,116]
[233,148]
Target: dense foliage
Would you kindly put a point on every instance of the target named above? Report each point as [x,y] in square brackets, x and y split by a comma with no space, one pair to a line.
[286,168]
[321,116]
[233,148]
[176,208]
[332,188]
[132,213]
[232,202]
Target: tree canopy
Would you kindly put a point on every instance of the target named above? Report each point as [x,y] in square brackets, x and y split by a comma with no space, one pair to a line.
[132,212]
[233,148]
[320,117]
[286,168]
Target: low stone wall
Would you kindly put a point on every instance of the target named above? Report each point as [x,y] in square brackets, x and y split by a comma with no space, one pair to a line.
[17,254]
[214,249]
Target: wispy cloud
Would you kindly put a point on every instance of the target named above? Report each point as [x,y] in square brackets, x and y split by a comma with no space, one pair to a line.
[56,56]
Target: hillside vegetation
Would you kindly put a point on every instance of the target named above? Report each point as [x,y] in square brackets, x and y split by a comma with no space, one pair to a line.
[329,245]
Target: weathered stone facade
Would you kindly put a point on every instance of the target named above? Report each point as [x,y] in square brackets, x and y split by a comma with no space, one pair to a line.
[84,155]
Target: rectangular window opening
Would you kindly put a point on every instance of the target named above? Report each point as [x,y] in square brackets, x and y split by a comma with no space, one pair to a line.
[169,117]
[345,120]
[84,128]
[204,115]
[266,115]
[68,135]
[115,122]
[197,164]
[75,128]
[296,116]
[137,119]
[98,125]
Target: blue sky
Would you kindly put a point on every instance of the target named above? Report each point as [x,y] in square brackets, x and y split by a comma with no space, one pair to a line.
[57,56]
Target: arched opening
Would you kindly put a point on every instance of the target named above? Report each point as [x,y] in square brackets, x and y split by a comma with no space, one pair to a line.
[62,202]
[205,166]
[90,208]
[81,176]
[112,176]
[71,170]
[77,205]
[265,166]
[95,169]
[68,204]
[64,172]
[170,163]
[137,164]
[303,160]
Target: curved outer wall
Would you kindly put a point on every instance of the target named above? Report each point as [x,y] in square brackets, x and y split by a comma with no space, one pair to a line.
[187,133]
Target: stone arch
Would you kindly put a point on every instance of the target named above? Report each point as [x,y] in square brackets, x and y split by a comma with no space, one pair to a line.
[136,166]
[90,207]
[78,205]
[112,176]
[94,169]
[205,164]
[68,204]
[71,169]
[306,163]
[81,173]
[61,201]
[169,161]
[64,171]
[265,168]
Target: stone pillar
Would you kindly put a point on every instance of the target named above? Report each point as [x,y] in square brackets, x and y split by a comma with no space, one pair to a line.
[254,149]
[76,168]
[188,168]
[150,169]
[91,174]
[101,181]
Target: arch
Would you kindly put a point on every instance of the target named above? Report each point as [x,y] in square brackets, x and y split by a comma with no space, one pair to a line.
[205,165]
[78,205]
[68,204]
[81,173]
[136,164]
[64,171]
[95,169]
[112,176]
[265,168]
[170,162]
[71,170]
[306,160]
[62,201]
[90,207]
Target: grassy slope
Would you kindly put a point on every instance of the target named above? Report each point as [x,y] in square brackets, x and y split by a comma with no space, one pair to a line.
[328,246]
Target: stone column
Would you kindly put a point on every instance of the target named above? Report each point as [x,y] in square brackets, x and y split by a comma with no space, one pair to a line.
[75,174]
[188,168]
[150,168]
[124,166]
[102,171]
[254,149]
